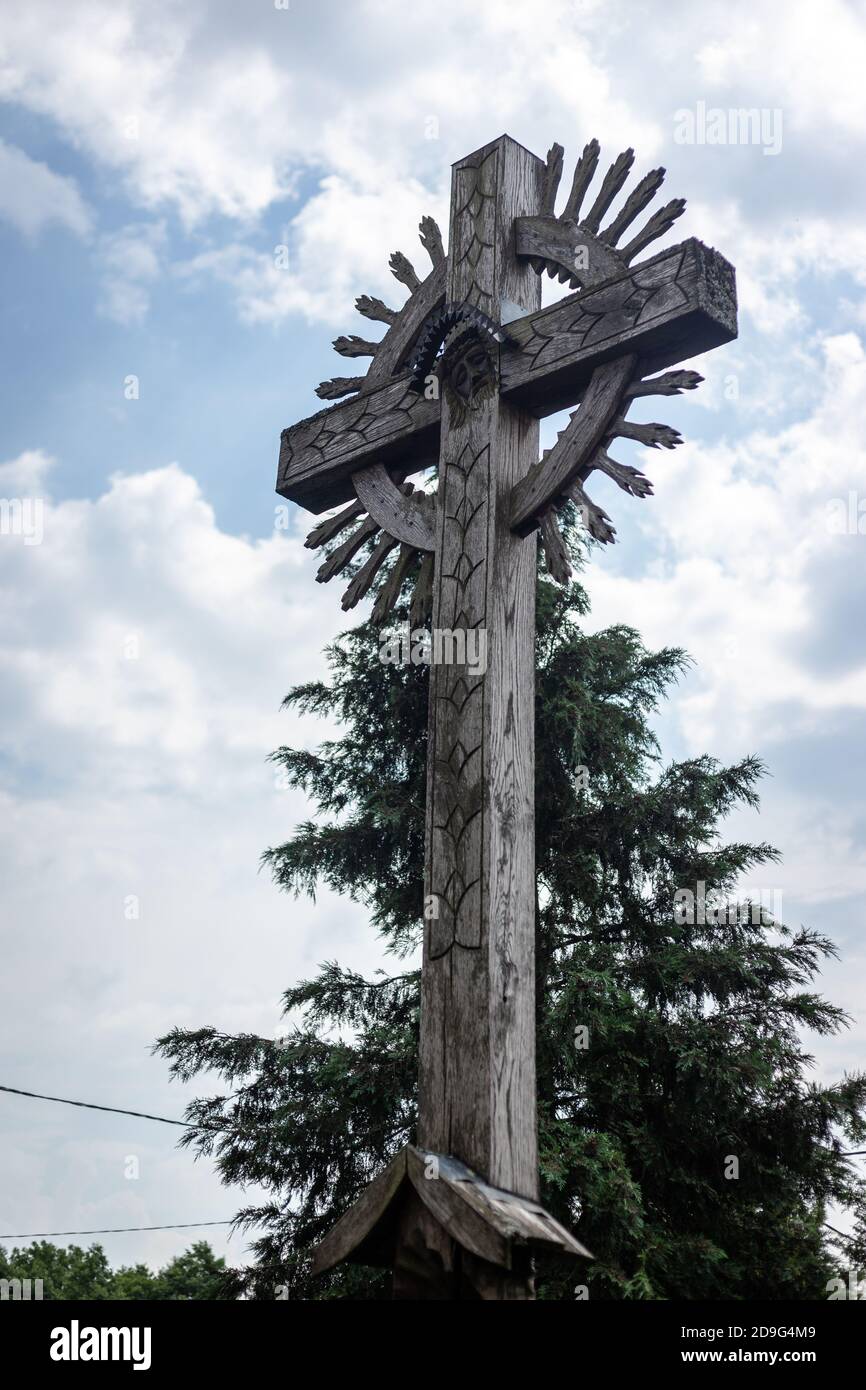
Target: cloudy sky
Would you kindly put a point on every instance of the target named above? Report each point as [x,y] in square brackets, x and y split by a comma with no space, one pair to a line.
[152,156]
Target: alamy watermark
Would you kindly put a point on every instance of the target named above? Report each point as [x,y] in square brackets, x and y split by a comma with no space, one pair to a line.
[23,516]
[846,516]
[853,1286]
[761,907]
[20,1290]
[444,646]
[77,1343]
[736,125]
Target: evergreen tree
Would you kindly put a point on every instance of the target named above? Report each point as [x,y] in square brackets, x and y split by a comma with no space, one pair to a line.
[680,1136]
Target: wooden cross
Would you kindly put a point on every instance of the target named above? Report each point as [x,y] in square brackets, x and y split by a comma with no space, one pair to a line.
[460,379]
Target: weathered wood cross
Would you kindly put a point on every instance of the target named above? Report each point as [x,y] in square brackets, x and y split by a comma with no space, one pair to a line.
[460,379]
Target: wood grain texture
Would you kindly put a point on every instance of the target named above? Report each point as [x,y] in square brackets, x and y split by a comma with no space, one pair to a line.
[631,480]
[659,223]
[679,303]
[394,348]
[357,1224]
[426,1260]
[468,1229]
[332,526]
[403,270]
[583,175]
[668,384]
[554,547]
[408,517]
[595,518]
[375,309]
[573,249]
[431,240]
[339,558]
[639,198]
[337,386]
[552,177]
[547,482]
[554,242]
[477,1081]
[422,595]
[390,590]
[426,1213]
[611,184]
[353,346]
[391,425]
[360,585]
[649,433]
[468,1224]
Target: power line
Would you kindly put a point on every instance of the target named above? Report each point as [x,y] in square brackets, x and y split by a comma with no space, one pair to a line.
[112,1109]
[112,1230]
[836,1232]
[107,1230]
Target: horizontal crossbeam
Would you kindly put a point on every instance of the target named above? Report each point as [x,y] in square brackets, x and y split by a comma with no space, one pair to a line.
[680,303]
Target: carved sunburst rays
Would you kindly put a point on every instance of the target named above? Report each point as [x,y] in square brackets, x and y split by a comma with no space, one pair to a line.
[631,480]
[389,357]
[388,360]
[575,249]
[367,532]
[403,325]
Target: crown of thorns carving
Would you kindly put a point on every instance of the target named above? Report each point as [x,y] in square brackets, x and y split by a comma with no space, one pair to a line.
[438,327]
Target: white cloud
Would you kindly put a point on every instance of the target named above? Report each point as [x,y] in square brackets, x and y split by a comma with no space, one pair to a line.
[25,475]
[145,775]
[146,561]
[143,92]
[774,263]
[32,196]
[745,553]
[766,52]
[741,565]
[215,112]
[129,261]
[144,656]
[317,271]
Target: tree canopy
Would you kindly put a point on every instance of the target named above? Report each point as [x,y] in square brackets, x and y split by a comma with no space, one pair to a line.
[666,1047]
[69,1272]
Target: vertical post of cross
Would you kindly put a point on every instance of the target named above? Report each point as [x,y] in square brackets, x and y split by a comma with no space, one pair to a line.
[477,1063]
[455,1215]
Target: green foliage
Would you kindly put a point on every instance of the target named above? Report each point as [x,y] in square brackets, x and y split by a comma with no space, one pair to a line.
[694,1029]
[68,1272]
[196,1274]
